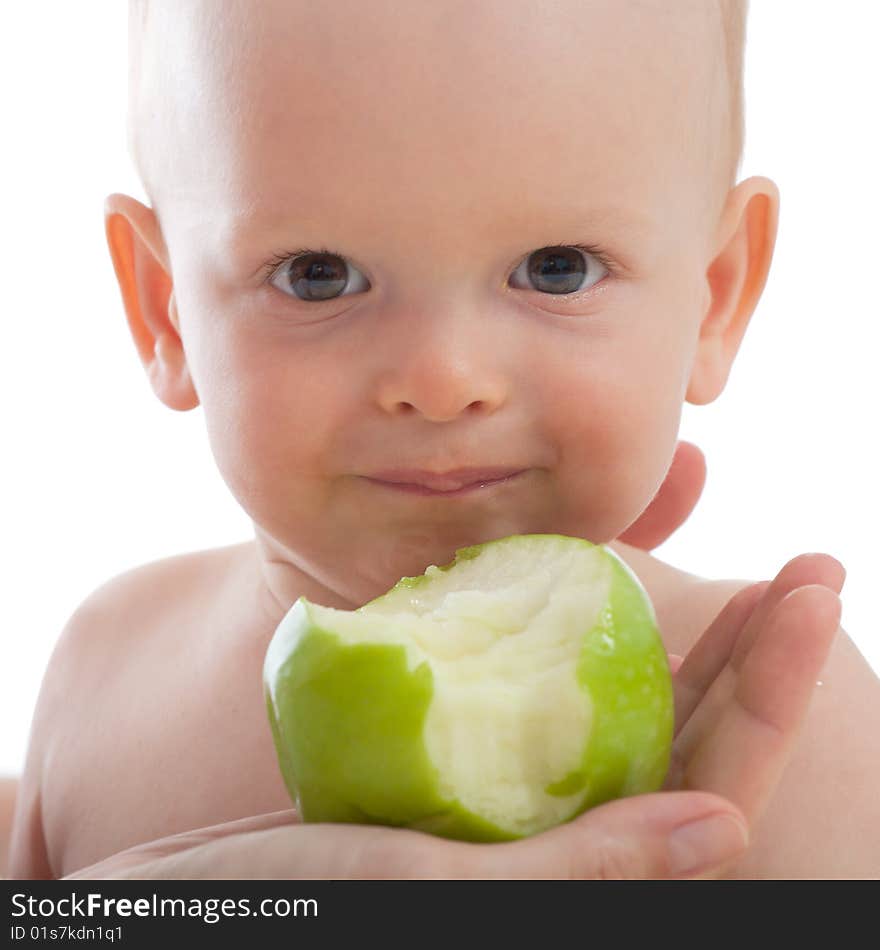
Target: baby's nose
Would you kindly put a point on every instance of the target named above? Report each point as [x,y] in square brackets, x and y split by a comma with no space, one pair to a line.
[440,393]
[442,372]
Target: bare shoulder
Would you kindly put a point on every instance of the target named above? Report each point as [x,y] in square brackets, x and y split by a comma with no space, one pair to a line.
[114,617]
[109,620]
[149,589]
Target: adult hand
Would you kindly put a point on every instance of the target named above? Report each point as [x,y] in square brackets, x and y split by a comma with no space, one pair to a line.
[670,834]
[742,692]
[741,696]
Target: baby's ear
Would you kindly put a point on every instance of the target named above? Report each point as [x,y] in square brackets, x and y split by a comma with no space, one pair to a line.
[736,278]
[140,260]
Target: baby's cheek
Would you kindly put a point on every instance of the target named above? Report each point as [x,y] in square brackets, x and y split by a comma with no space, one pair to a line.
[254,426]
[595,416]
[615,442]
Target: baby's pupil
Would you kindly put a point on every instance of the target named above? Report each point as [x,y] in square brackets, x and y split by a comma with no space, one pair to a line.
[318,277]
[557,270]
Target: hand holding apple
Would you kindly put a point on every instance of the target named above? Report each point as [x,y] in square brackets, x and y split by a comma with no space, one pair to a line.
[734,683]
[743,691]
[485,700]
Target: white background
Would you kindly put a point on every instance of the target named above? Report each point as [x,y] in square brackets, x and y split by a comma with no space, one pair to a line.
[98,476]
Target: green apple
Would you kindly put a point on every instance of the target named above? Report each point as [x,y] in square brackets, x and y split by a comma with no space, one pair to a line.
[486,700]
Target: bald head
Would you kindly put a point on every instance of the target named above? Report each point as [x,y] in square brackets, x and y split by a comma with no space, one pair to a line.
[223,95]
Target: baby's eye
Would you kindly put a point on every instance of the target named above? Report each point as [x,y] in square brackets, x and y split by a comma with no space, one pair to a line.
[561,269]
[315,275]
[323,275]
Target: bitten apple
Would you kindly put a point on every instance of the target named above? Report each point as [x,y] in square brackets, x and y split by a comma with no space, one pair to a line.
[487,699]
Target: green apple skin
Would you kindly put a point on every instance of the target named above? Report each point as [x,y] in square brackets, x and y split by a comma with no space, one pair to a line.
[348,720]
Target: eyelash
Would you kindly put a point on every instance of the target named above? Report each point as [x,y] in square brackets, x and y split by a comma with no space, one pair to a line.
[283,257]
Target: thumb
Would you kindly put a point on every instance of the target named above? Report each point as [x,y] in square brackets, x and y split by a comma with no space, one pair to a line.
[657,836]
[675,500]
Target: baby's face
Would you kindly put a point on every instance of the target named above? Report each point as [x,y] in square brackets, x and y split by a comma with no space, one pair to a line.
[441,162]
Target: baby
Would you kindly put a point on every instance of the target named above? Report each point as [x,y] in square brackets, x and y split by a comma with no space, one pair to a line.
[437,273]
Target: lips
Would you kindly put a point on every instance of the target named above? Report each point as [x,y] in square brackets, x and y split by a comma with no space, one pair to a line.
[451,481]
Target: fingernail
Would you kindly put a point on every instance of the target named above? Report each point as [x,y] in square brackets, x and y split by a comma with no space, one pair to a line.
[706,843]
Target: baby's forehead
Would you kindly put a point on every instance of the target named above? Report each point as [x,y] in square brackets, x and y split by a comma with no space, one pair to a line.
[262,100]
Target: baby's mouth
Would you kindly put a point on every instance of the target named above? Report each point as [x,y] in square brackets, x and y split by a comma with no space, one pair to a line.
[448,484]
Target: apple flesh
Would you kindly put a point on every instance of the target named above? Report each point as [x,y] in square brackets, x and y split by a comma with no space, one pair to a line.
[488,699]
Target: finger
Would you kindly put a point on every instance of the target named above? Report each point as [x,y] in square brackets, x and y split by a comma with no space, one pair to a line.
[743,757]
[663,835]
[715,703]
[678,834]
[163,847]
[712,651]
[801,571]
[707,685]
[674,501]
[319,851]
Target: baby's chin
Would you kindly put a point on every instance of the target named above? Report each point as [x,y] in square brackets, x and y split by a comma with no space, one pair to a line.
[357,553]
[378,569]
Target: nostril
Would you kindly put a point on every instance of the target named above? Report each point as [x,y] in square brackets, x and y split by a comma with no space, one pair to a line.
[437,413]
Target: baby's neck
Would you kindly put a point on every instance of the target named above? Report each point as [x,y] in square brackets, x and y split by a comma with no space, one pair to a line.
[284,580]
